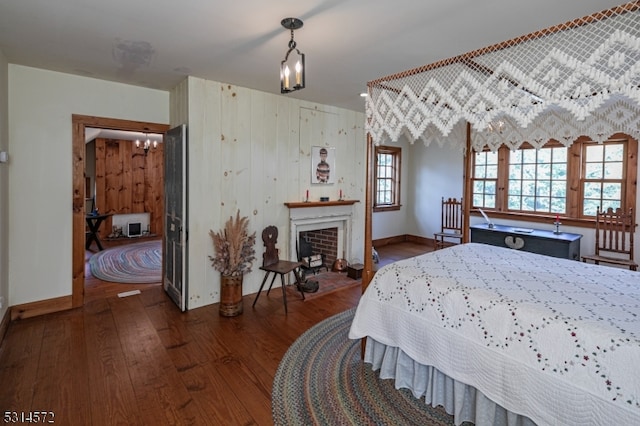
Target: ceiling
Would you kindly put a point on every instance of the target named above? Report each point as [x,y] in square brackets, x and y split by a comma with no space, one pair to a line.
[90,133]
[347,43]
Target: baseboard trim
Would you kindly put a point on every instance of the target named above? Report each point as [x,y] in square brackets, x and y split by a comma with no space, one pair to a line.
[4,324]
[41,307]
[406,238]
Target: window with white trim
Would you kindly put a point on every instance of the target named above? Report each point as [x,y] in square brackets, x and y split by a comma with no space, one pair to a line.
[387,178]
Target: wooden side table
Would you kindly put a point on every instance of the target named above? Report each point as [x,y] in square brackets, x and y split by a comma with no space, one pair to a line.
[93,222]
[282,268]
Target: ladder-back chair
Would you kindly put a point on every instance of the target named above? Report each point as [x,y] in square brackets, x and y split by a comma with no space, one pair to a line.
[614,238]
[451,225]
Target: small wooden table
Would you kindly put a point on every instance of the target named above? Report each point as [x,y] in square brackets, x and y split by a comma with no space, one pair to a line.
[282,268]
[94,222]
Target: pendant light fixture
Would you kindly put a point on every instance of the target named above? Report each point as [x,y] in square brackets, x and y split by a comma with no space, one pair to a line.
[292,68]
[147,144]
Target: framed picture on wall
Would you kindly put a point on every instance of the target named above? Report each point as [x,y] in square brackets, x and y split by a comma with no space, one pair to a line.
[323,165]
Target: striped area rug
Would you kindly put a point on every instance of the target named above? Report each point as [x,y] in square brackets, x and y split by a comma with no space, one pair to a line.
[321,380]
[137,263]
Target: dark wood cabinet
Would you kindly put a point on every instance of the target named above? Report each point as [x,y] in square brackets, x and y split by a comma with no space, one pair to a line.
[563,244]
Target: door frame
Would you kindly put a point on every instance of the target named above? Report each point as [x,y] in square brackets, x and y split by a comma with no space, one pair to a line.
[79,122]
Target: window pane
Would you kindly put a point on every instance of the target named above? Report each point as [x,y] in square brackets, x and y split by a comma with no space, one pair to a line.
[514,187]
[480,172]
[544,156]
[559,155]
[544,188]
[614,152]
[542,204]
[514,203]
[492,172]
[595,153]
[558,205]
[559,189]
[613,170]
[612,191]
[544,171]
[491,157]
[478,200]
[590,207]
[593,171]
[528,204]
[592,189]
[529,171]
[559,172]
[528,187]
[490,202]
[490,187]
[529,156]
[515,171]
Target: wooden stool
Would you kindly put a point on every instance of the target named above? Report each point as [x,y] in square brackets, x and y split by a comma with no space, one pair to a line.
[282,268]
[272,264]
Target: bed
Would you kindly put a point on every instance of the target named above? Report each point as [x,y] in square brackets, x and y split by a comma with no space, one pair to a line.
[500,336]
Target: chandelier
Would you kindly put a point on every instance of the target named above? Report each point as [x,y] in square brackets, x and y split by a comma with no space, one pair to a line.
[292,69]
[146,145]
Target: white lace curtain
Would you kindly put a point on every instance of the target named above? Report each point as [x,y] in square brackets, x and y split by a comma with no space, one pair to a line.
[578,78]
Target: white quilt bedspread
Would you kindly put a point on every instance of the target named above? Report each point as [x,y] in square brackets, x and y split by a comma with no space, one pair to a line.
[555,340]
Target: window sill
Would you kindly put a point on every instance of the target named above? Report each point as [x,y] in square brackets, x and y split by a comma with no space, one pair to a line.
[546,219]
[386,208]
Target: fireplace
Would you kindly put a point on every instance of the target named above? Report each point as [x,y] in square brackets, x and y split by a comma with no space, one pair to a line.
[322,241]
[331,224]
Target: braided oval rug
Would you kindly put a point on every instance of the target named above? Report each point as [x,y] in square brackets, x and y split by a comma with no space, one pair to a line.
[321,380]
[137,263]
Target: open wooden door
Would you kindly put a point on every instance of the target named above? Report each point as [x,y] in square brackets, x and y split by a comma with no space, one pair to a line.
[175,205]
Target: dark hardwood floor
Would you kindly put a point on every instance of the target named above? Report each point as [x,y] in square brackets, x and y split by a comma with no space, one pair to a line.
[139,361]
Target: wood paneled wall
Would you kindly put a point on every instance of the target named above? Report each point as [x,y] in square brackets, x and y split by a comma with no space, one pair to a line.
[128,181]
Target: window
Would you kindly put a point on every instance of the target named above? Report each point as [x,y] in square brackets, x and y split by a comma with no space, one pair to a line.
[573,182]
[538,180]
[485,179]
[603,180]
[387,178]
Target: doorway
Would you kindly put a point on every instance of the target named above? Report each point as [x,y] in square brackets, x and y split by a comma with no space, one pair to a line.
[80,122]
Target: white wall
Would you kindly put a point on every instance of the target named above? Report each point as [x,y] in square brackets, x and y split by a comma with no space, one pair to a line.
[4,187]
[435,172]
[41,104]
[250,150]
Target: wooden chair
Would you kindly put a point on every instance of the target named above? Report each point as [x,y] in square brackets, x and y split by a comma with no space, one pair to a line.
[614,238]
[271,263]
[451,225]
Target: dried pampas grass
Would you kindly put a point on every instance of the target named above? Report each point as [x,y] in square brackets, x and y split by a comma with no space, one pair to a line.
[234,252]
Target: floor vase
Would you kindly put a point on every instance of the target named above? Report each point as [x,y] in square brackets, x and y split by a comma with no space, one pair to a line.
[230,295]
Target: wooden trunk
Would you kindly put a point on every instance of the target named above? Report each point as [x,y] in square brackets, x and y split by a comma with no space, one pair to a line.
[230,295]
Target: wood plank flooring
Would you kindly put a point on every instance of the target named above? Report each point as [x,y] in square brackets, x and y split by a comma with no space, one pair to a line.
[138,360]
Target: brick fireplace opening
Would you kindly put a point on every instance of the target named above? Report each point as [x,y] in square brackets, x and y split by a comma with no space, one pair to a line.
[323,241]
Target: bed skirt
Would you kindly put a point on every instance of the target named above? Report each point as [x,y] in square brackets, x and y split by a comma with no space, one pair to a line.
[464,402]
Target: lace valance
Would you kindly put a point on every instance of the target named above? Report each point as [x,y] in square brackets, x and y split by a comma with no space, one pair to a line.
[578,78]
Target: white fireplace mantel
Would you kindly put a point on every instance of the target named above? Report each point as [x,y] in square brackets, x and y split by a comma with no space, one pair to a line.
[321,215]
